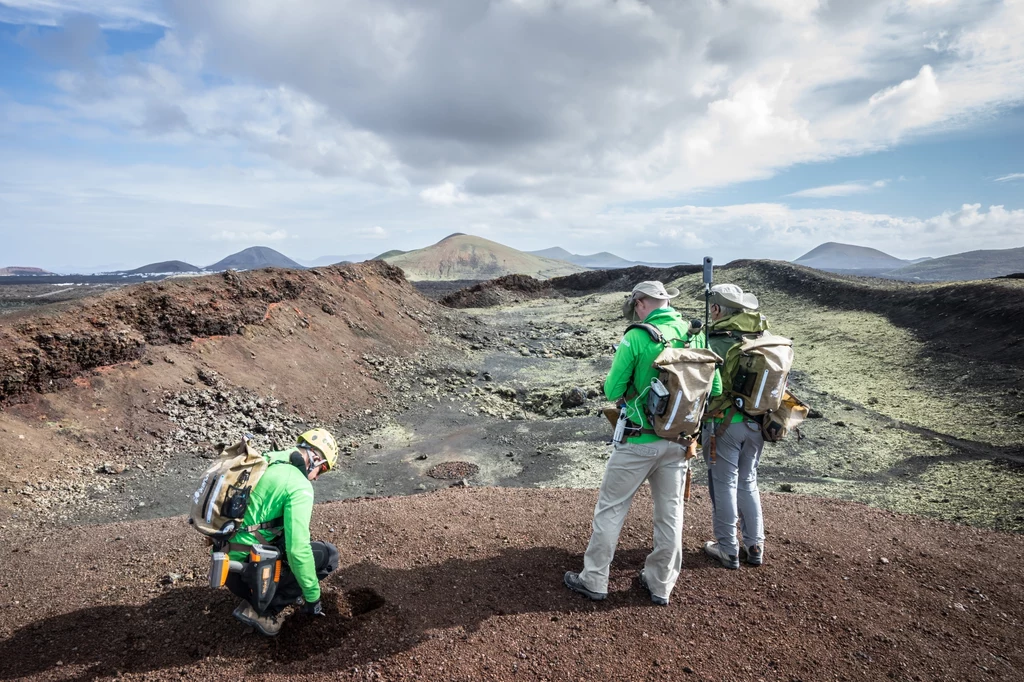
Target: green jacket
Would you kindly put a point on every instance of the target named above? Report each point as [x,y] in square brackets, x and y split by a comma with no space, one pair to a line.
[745,322]
[283,491]
[633,365]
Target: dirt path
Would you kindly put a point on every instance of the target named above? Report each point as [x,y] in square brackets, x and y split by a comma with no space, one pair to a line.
[466,585]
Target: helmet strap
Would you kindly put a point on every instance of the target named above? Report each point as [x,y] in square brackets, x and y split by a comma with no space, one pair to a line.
[306,464]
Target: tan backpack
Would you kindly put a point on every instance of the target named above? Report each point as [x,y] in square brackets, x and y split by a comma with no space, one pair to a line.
[762,373]
[220,501]
[759,388]
[676,399]
[686,375]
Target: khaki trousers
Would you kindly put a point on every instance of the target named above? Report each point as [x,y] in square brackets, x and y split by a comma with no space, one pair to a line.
[663,464]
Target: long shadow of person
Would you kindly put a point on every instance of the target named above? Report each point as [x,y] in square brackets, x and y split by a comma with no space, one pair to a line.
[374,611]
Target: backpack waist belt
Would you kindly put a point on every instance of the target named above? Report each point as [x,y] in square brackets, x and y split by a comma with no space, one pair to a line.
[257,530]
[633,429]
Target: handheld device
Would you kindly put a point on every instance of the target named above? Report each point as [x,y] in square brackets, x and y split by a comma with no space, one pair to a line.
[657,398]
[620,426]
[262,573]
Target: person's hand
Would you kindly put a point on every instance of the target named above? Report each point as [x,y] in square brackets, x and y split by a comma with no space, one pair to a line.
[314,609]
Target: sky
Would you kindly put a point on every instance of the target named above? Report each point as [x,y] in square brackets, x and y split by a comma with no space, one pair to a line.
[135,131]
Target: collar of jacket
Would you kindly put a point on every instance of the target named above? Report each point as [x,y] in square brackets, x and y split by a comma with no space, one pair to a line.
[663,316]
[746,322]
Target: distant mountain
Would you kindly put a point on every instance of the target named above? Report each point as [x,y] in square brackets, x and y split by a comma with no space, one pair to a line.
[22,271]
[602,260]
[163,267]
[965,266]
[462,256]
[331,260]
[845,257]
[253,258]
[389,254]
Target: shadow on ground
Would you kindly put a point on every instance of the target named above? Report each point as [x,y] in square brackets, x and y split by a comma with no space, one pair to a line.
[374,612]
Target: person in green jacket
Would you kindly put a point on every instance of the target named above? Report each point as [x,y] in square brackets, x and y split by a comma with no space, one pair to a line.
[283,500]
[641,457]
[732,469]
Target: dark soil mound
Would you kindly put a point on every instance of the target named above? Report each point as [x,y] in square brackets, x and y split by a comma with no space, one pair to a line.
[435,291]
[516,288]
[453,471]
[499,291]
[624,279]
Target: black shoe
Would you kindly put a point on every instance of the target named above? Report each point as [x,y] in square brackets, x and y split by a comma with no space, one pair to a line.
[660,601]
[573,582]
[752,556]
[265,625]
[713,550]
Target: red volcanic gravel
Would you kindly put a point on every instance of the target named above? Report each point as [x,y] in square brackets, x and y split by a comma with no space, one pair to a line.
[453,471]
[466,584]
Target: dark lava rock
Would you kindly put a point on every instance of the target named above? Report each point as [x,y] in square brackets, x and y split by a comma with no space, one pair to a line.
[574,397]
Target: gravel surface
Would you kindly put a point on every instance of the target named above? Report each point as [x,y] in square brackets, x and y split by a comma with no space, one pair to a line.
[450,471]
[465,584]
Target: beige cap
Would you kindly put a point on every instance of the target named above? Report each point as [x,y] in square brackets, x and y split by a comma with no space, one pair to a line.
[732,296]
[651,289]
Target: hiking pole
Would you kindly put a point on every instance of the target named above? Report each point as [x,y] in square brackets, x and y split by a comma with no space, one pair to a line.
[708,278]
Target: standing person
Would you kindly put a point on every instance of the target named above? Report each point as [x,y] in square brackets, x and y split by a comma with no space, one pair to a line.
[732,460]
[280,506]
[641,457]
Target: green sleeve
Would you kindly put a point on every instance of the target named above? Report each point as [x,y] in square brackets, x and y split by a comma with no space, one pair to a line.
[298,511]
[700,341]
[621,372]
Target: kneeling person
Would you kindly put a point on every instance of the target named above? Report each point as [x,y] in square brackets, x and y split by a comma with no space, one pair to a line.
[282,502]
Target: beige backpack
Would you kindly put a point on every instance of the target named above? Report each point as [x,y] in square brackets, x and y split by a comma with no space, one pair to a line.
[219,503]
[676,400]
[762,372]
[760,384]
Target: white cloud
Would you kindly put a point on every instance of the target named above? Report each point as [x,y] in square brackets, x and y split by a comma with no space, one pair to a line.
[446,194]
[1011,176]
[781,232]
[619,100]
[532,118]
[118,14]
[914,103]
[841,190]
[375,232]
[249,233]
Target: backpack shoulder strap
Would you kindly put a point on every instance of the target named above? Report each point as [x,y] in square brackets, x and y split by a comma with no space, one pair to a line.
[651,330]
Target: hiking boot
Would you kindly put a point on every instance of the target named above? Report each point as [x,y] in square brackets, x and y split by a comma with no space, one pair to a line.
[660,601]
[266,625]
[712,549]
[753,555]
[573,582]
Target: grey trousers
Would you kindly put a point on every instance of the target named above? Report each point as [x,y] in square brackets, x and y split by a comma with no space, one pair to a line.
[732,481]
[663,464]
